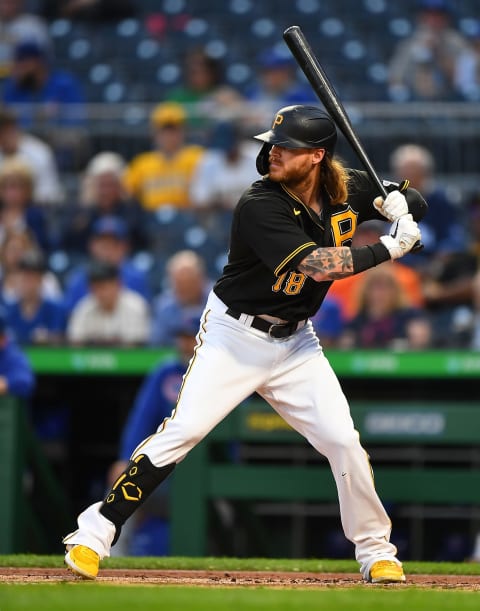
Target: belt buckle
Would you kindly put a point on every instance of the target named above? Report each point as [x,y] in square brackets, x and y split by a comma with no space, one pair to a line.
[276,325]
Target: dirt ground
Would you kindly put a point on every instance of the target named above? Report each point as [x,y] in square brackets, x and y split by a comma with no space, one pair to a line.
[233,578]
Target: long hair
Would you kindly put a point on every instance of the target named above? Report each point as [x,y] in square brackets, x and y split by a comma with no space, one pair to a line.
[384,274]
[334,178]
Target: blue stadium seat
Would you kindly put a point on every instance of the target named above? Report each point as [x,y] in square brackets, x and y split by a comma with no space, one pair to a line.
[354,39]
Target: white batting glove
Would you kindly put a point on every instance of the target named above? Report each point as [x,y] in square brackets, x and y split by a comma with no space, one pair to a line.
[404,233]
[393,206]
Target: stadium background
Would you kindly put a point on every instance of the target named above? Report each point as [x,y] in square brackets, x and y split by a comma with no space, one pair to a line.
[128,66]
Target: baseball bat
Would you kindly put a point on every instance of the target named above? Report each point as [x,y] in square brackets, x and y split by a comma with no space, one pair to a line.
[308,62]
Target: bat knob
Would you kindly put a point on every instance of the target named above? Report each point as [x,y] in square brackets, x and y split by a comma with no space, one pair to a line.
[417,247]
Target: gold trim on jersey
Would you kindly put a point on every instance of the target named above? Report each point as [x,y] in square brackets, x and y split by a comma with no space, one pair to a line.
[313,217]
[161,428]
[190,365]
[292,195]
[293,254]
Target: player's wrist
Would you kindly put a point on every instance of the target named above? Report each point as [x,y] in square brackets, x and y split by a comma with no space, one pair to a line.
[365,257]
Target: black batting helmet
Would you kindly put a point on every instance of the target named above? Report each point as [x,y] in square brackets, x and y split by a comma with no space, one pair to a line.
[298,127]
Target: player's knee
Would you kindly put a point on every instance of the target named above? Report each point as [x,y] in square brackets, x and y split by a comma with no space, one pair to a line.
[344,441]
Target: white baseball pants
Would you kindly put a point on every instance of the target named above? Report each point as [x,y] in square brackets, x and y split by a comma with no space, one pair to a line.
[231,361]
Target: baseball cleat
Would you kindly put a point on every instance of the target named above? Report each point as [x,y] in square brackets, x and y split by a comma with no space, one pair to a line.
[386,571]
[83,561]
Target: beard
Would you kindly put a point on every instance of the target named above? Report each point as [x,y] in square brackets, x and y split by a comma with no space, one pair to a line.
[292,176]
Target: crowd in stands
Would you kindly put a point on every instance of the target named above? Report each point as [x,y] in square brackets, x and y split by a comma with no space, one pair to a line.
[436,62]
[141,237]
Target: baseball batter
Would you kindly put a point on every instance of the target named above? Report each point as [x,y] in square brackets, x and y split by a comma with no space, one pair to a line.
[290,238]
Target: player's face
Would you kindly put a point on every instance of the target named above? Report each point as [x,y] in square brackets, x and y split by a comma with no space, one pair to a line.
[292,165]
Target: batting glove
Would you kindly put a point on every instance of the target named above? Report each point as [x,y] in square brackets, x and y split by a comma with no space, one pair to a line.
[393,206]
[404,234]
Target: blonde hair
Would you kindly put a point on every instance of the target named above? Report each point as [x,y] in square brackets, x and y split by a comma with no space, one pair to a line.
[16,168]
[335,178]
[412,153]
[185,258]
[384,272]
[106,162]
[24,236]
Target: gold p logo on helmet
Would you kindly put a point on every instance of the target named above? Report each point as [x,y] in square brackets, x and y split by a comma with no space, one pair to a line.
[278,120]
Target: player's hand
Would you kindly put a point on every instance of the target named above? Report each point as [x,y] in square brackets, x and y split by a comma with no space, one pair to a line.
[393,206]
[404,234]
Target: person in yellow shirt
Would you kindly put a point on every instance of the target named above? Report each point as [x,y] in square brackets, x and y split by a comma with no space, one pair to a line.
[161,177]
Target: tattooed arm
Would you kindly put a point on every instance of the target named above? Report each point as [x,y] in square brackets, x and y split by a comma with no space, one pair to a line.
[331,263]
[328,264]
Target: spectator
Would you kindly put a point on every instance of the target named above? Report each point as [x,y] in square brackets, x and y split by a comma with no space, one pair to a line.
[16,374]
[103,194]
[15,143]
[110,315]
[346,291]
[446,266]
[384,320]
[32,318]
[109,243]
[423,65]
[17,210]
[204,92]
[442,229]
[42,94]
[454,293]
[448,291]
[50,100]
[17,25]
[184,297]
[154,402]
[226,169]
[14,245]
[162,177]
[277,85]
[467,67]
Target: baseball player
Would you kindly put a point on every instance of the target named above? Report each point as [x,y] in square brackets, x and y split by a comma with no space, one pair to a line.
[290,238]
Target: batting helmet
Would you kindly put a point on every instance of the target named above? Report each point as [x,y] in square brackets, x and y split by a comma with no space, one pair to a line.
[297,127]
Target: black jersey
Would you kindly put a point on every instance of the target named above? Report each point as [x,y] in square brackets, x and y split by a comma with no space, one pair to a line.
[272,231]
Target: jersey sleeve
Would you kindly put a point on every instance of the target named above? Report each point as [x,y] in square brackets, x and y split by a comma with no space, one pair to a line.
[363,191]
[268,226]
